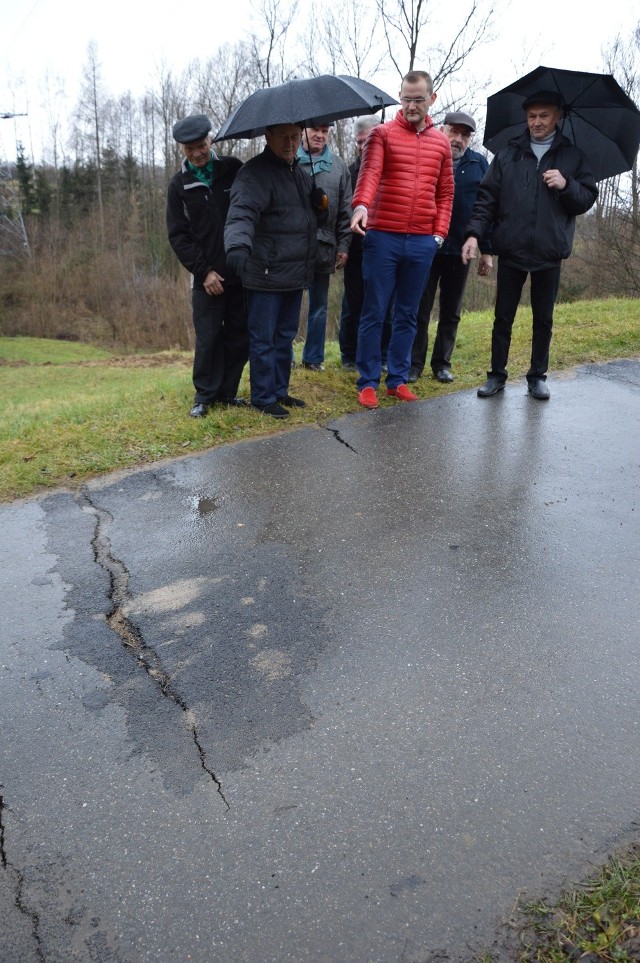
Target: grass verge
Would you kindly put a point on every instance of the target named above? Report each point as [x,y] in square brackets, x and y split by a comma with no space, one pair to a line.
[72,411]
[598,920]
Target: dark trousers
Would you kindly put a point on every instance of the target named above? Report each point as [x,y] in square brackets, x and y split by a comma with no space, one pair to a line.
[544,290]
[450,273]
[222,343]
[273,318]
[351,311]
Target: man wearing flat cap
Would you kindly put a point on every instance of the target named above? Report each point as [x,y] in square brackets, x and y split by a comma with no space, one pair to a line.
[535,187]
[197,207]
[448,271]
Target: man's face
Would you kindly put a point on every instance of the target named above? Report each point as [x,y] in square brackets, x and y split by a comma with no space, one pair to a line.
[199,152]
[459,136]
[361,140]
[284,140]
[416,99]
[542,120]
[316,138]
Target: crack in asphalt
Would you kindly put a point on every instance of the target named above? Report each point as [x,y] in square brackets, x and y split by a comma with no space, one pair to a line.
[336,434]
[18,902]
[130,636]
[3,852]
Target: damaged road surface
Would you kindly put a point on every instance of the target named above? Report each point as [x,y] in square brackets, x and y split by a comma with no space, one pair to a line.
[339,694]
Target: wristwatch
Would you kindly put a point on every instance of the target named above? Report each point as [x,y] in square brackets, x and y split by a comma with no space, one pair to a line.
[439,240]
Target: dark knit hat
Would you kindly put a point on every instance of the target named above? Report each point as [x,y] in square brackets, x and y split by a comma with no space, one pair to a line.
[191,128]
[460,119]
[551,97]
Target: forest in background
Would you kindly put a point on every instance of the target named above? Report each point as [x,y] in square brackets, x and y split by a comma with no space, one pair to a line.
[83,247]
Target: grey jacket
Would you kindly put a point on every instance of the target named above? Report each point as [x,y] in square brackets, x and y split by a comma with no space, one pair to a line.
[334,237]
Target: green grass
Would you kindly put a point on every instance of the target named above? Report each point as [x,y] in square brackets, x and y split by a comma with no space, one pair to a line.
[71,411]
[42,351]
[596,920]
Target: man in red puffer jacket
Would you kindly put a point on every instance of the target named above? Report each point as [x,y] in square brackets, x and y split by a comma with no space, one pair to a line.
[403,201]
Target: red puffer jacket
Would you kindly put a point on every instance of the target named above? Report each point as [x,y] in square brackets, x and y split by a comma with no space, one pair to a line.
[406,179]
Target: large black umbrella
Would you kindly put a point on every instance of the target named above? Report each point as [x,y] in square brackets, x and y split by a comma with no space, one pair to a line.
[312,101]
[597,116]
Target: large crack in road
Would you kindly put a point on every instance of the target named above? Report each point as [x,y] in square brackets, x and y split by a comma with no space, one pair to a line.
[130,636]
[19,903]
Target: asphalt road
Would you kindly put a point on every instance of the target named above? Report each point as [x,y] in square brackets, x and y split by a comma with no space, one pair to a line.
[343,694]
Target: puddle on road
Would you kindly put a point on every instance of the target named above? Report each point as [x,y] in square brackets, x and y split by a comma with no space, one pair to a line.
[203,505]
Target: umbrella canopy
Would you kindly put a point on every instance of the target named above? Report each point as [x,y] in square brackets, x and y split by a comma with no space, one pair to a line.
[312,101]
[597,116]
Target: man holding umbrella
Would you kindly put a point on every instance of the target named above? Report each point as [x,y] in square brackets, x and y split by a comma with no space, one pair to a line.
[270,241]
[535,187]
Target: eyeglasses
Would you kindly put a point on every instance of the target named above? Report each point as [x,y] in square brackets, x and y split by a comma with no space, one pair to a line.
[414,100]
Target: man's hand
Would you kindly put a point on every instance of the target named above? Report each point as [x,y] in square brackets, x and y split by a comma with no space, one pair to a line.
[341,260]
[554,179]
[469,250]
[236,260]
[213,283]
[484,265]
[359,220]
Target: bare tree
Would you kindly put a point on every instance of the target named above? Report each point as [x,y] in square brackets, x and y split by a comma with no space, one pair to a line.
[269,53]
[343,40]
[405,23]
[218,85]
[613,247]
[91,115]
[169,103]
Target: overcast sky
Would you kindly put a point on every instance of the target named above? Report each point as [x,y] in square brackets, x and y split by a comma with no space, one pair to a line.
[40,38]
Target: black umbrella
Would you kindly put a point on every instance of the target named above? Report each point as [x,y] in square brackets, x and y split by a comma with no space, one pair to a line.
[597,116]
[312,101]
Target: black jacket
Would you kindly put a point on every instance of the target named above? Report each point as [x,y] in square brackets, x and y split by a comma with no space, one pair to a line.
[533,226]
[271,217]
[196,216]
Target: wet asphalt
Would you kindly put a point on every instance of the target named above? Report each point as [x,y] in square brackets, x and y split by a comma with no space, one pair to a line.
[347,693]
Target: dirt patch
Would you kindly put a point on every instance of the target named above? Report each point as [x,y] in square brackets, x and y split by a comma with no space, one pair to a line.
[126,361]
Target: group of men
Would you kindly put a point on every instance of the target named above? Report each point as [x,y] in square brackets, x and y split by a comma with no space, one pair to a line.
[406,219]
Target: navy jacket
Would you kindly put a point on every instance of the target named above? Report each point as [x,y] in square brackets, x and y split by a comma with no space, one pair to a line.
[468,175]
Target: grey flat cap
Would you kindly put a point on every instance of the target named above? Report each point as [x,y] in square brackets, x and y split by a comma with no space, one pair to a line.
[460,119]
[191,128]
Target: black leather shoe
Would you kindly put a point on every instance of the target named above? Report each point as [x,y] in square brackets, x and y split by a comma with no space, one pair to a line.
[290,402]
[198,411]
[312,367]
[491,387]
[274,410]
[538,389]
[234,402]
[414,374]
[443,374]
[349,366]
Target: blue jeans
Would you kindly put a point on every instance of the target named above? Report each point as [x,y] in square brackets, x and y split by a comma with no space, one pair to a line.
[393,265]
[272,319]
[313,352]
